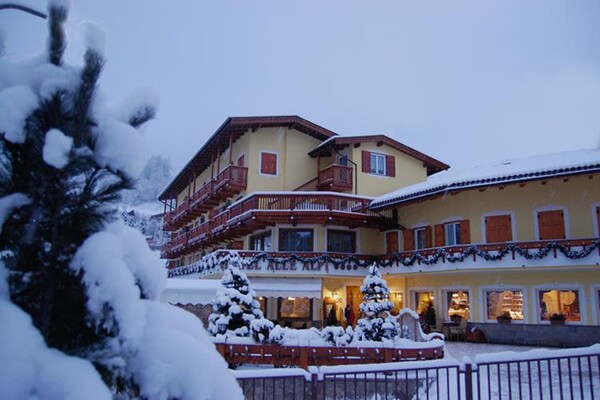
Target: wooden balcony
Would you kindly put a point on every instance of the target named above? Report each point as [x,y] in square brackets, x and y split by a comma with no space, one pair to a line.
[261,210]
[336,178]
[229,182]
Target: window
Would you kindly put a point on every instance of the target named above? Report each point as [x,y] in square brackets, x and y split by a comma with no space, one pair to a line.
[562,301]
[498,229]
[295,308]
[377,164]
[268,163]
[261,241]
[452,233]
[417,238]
[341,241]
[551,225]
[457,302]
[422,301]
[295,240]
[500,301]
[597,220]
[420,238]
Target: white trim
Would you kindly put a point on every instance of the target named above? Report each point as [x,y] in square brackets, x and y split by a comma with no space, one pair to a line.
[497,213]
[560,286]
[416,240]
[595,219]
[371,153]
[501,287]
[452,219]
[536,225]
[276,163]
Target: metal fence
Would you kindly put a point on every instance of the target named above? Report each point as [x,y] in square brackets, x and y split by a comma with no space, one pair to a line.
[548,374]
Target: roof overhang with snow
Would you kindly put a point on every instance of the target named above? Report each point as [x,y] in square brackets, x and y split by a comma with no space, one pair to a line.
[229,132]
[339,142]
[503,173]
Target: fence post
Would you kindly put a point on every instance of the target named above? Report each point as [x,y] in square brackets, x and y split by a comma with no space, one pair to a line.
[314,378]
[468,381]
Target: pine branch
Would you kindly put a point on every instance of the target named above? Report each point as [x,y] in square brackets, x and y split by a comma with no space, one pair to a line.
[57,38]
[24,9]
[84,96]
[145,114]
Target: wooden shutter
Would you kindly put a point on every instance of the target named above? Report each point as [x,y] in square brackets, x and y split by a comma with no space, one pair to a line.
[391,239]
[366,161]
[440,235]
[465,232]
[598,219]
[498,229]
[390,166]
[409,240]
[240,161]
[268,163]
[428,241]
[551,225]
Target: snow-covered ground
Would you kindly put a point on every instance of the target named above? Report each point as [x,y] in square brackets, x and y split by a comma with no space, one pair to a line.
[458,350]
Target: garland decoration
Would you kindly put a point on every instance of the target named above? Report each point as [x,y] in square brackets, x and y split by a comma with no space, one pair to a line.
[219,259]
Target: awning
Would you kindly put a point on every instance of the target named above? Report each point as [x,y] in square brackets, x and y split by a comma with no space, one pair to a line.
[204,291]
[304,287]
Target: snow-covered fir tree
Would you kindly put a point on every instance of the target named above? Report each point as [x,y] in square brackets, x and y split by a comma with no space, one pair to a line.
[376,322]
[236,312]
[78,289]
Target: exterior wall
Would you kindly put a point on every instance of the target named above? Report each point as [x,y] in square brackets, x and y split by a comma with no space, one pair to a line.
[294,166]
[576,195]
[528,281]
[408,171]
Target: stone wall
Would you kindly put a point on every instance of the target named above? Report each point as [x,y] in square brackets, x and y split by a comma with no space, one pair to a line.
[539,335]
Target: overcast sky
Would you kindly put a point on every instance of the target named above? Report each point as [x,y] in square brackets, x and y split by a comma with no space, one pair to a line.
[463,81]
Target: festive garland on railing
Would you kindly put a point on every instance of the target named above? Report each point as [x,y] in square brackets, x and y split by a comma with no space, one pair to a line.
[212,262]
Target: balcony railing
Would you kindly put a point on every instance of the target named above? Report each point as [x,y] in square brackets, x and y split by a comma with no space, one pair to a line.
[337,178]
[264,209]
[230,181]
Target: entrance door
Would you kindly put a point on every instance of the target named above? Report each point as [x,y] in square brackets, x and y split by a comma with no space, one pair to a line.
[354,297]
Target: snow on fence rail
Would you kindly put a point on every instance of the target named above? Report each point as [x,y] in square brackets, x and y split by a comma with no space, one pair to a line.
[537,374]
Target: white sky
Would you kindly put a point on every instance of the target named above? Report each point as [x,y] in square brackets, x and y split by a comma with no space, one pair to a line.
[462,81]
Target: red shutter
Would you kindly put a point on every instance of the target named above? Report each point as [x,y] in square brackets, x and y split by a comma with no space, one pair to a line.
[390,165]
[240,161]
[366,161]
[268,163]
[409,240]
[440,237]
[428,241]
[598,219]
[498,229]
[391,242]
[551,225]
[465,232]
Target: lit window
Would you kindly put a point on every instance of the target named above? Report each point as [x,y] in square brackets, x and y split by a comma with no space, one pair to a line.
[377,164]
[500,301]
[452,233]
[457,302]
[565,302]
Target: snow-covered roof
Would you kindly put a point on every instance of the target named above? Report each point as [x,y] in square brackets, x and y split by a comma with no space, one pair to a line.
[498,173]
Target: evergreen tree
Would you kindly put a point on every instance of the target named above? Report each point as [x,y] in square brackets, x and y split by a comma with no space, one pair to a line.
[236,312]
[81,276]
[375,308]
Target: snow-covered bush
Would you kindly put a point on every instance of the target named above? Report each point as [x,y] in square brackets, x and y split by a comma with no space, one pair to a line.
[236,307]
[79,301]
[337,336]
[376,322]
